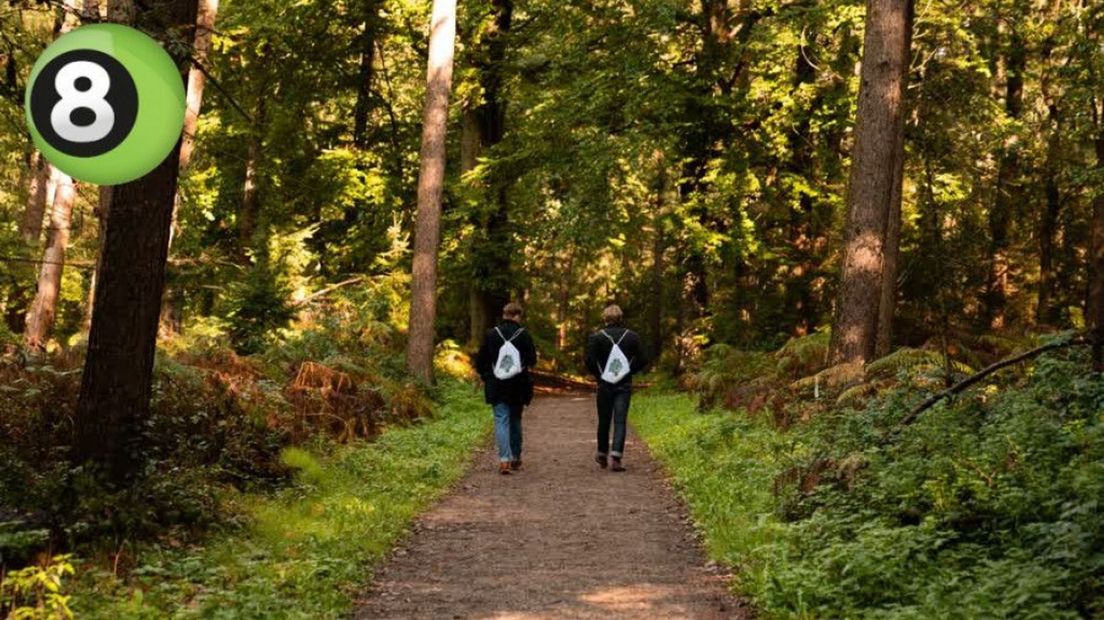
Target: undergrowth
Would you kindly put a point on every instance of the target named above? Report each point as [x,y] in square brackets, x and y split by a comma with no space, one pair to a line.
[306,551]
[987,506]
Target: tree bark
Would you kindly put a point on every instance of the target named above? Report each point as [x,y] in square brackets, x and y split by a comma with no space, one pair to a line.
[362,110]
[1095,305]
[489,294]
[118,371]
[431,181]
[878,124]
[250,206]
[171,317]
[1045,310]
[1008,174]
[43,311]
[31,226]
[887,304]
[40,319]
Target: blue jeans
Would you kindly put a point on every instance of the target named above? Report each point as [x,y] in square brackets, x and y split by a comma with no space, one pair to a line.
[508,431]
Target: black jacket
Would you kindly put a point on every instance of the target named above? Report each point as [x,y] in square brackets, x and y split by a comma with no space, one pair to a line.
[598,352]
[517,390]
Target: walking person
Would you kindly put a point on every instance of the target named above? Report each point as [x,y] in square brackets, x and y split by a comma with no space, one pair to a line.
[614,354]
[503,361]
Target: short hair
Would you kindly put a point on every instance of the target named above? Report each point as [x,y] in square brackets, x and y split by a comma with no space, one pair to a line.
[613,315]
[512,311]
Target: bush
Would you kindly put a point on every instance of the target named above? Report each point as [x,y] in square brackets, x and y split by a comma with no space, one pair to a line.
[987,506]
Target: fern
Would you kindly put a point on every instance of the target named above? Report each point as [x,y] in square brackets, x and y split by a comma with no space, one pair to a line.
[912,361]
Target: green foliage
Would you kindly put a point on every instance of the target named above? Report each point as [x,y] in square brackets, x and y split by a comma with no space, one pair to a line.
[984,507]
[258,306]
[307,550]
[37,592]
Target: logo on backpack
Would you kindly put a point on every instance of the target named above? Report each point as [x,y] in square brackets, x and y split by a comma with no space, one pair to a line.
[509,358]
[617,365]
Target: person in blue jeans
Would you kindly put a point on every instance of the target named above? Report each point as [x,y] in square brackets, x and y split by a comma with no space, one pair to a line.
[507,386]
[613,398]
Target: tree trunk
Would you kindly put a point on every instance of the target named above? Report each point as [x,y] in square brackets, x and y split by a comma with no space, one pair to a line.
[1095,305]
[171,318]
[118,371]
[40,319]
[31,226]
[489,294]
[431,181]
[250,206]
[887,304]
[1008,173]
[659,248]
[878,124]
[362,110]
[1046,312]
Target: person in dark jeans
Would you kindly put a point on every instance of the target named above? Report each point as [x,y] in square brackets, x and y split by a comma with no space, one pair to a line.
[613,398]
[507,397]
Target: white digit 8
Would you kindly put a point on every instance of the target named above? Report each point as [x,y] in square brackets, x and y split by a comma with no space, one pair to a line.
[73,99]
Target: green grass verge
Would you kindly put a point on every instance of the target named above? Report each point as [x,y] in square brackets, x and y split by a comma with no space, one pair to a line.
[723,465]
[307,551]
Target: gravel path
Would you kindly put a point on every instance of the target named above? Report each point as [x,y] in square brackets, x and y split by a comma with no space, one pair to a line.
[560,539]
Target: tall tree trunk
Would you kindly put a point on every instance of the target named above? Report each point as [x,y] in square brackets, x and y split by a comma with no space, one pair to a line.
[1095,305]
[43,311]
[887,304]
[250,206]
[31,226]
[489,293]
[659,248]
[40,319]
[878,124]
[171,317]
[1008,174]
[1046,311]
[118,370]
[431,181]
[362,110]
[479,318]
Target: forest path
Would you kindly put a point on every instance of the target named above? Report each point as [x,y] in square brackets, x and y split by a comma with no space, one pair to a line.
[560,539]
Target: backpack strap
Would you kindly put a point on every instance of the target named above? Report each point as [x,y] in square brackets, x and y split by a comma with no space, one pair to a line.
[618,341]
[516,334]
[511,338]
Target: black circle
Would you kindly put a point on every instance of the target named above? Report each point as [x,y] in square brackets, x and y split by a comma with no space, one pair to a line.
[122,96]
[82,117]
[82,84]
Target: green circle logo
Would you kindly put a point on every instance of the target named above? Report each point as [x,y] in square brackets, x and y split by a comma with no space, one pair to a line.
[105,104]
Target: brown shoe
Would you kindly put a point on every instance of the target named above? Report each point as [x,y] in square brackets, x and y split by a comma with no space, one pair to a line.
[515,465]
[504,468]
[602,460]
[617,465]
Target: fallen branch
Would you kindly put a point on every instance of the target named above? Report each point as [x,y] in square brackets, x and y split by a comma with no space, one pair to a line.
[326,291]
[1079,340]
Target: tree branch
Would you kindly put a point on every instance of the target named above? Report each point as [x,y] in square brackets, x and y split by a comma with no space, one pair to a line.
[1079,340]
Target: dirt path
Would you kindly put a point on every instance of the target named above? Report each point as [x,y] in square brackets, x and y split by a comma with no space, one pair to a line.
[561,539]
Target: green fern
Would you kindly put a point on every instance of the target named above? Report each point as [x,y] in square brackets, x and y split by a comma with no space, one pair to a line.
[913,361]
[802,355]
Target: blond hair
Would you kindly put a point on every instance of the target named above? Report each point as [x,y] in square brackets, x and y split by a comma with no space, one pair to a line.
[512,311]
[613,315]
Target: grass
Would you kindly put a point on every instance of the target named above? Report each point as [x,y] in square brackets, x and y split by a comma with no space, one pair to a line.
[723,464]
[308,551]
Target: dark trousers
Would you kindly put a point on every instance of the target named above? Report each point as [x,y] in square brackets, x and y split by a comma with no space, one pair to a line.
[613,405]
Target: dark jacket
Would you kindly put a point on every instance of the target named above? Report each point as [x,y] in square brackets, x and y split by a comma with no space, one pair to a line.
[598,352]
[517,390]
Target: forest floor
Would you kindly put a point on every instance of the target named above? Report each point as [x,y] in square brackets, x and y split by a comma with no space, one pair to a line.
[560,539]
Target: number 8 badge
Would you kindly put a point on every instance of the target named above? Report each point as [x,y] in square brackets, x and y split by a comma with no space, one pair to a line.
[105,104]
